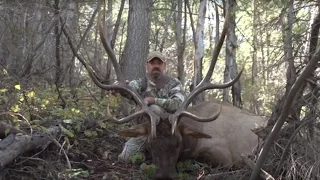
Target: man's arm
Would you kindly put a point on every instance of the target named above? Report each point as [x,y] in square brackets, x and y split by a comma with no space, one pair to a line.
[134,84]
[176,97]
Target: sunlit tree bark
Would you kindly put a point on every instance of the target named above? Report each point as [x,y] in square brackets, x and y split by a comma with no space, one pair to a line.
[199,49]
[180,40]
[231,69]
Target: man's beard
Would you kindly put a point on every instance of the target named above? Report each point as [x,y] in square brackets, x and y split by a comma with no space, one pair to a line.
[156,74]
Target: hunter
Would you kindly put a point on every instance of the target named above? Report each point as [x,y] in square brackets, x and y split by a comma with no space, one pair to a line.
[160,92]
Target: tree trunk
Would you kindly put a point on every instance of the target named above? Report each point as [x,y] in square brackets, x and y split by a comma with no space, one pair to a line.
[254,86]
[191,21]
[312,87]
[291,72]
[199,49]
[57,46]
[180,40]
[231,69]
[137,44]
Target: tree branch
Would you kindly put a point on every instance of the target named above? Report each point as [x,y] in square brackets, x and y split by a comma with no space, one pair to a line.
[285,112]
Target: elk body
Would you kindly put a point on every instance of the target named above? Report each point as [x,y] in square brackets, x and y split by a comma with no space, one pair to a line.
[219,142]
[218,133]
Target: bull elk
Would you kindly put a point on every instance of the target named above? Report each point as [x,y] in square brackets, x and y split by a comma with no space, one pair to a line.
[219,135]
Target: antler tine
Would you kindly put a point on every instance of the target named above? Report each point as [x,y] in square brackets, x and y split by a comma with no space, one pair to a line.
[217,48]
[109,50]
[208,85]
[125,119]
[201,119]
[123,86]
[204,85]
[182,109]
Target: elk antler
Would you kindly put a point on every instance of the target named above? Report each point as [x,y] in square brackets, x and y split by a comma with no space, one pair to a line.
[204,85]
[136,97]
[122,86]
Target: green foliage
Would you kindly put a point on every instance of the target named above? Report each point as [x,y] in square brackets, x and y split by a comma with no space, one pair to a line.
[6,132]
[3,90]
[3,98]
[137,158]
[39,106]
[75,173]
[185,169]
[18,87]
[147,170]
[182,175]
[66,131]
[90,133]
[187,166]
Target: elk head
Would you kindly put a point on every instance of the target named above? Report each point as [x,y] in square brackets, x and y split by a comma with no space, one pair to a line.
[164,138]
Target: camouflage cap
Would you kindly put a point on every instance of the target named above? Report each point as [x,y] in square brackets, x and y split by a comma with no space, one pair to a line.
[156,54]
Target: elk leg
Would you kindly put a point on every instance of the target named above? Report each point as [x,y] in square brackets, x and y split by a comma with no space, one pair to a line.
[132,146]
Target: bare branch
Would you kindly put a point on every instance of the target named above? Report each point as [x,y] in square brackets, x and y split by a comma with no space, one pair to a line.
[285,112]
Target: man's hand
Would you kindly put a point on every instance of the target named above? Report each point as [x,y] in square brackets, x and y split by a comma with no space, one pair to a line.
[149,100]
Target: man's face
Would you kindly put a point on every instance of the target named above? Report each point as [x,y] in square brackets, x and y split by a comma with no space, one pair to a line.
[155,68]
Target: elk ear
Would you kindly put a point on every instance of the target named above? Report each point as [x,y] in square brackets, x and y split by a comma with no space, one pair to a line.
[196,134]
[136,131]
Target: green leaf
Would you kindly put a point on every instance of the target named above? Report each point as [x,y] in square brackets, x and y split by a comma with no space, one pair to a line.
[75,110]
[94,133]
[68,121]
[66,131]
[3,90]
[15,108]
[87,133]
[5,71]
[17,86]
[137,157]
[182,175]
[90,133]
[102,124]
[149,170]
[31,94]
[143,166]
[77,172]
[85,173]
[6,132]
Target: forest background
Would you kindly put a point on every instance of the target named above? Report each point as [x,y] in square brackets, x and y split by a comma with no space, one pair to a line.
[43,83]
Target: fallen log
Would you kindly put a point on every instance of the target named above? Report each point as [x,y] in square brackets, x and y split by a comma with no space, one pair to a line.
[6,129]
[15,144]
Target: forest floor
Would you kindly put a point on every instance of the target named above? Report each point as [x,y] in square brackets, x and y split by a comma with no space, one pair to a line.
[96,159]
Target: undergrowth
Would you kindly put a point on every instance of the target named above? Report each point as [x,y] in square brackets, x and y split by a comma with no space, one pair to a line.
[90,144]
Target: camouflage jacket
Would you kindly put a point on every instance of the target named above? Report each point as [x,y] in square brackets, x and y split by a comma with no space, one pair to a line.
[168,92]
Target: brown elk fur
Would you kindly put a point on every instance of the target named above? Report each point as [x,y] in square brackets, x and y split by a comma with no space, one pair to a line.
[220,142]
